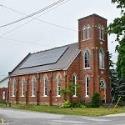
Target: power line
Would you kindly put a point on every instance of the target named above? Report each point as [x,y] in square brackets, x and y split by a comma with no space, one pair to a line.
[40,20]
[17,27]
[33,14]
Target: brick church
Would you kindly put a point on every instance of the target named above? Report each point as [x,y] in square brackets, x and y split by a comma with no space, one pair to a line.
[40,76]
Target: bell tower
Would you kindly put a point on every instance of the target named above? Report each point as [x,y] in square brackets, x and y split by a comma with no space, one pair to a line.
[94,62]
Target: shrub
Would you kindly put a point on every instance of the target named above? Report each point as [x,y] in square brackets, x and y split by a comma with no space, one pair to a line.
[96,100]
[66,104]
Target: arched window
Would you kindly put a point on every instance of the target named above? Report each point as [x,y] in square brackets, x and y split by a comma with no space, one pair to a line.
[86,59]
[74,83]
[46,89]
[14,88]
[23,82]
[87,82]
[33,86]
[101,59]
[58,82]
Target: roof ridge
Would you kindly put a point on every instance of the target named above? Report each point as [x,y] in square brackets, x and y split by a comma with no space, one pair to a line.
[53,48]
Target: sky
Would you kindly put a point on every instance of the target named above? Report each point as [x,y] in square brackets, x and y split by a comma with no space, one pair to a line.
[32,35]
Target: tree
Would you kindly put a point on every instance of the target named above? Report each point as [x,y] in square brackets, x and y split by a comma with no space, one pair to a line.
[118,28]
[113,80]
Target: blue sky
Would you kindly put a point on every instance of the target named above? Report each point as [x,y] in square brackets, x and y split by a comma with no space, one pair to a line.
[16,41]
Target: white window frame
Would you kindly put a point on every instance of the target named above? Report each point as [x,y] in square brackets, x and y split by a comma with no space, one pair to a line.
[45,81]
[88,59]
[33,89]
[101,59]
[75,83]
[13,87]
[87,86]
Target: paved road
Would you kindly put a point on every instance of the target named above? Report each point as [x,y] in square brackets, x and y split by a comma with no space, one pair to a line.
[19,117]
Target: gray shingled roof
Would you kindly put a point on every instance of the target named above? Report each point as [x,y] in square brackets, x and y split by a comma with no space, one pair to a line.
[59,58]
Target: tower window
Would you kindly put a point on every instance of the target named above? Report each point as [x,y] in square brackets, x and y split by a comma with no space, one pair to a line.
[101,59]
[101,33]
[86,32]
[86,59]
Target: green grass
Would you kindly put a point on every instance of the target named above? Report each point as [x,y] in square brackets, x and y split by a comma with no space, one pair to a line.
[68,111]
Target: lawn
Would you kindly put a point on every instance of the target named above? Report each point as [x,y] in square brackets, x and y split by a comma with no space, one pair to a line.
[68,111]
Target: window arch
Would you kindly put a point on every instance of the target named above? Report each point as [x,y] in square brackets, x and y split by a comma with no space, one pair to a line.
[87,82]
[74,83]
[101,59]
[58,83]
[33,86]
[86,59]
[23,82]
[13,87]
[45,81]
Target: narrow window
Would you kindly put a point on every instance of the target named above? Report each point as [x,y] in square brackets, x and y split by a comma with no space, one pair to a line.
[87,80]
[45,79]
[23,87]
[33,86]
[101,33]
[101,59]
[74,80]
[86,59]
[58,82]
[4,95]
[13,88]
[86,32]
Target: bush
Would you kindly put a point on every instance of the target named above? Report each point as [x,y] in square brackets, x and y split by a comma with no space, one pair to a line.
[77,105]
[96,100]
[66,104]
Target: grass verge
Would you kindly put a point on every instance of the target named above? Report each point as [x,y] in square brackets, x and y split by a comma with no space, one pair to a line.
[68,111]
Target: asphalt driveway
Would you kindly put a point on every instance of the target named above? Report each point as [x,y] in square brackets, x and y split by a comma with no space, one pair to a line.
[21,117]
